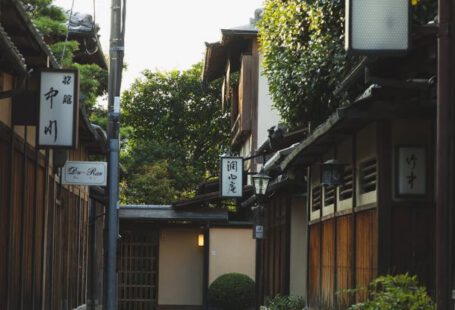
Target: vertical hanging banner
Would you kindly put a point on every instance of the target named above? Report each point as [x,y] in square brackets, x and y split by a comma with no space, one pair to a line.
[231,182]
[58,109]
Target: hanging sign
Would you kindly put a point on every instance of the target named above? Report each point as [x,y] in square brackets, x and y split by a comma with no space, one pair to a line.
[84,173]
[58,109]
[412,170]
[231,177]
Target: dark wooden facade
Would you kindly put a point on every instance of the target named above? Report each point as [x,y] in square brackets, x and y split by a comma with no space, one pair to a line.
[274,250]
[44,230]
[44,262]
[366,229]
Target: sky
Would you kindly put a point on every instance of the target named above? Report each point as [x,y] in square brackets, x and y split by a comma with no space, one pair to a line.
[166,34]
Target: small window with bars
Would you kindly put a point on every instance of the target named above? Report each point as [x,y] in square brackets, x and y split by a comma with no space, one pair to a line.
[368,176]
[316,198]
[346,188]
[329,195]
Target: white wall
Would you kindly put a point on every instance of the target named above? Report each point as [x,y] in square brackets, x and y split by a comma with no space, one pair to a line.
[231,250]
[180,267]
[268,116]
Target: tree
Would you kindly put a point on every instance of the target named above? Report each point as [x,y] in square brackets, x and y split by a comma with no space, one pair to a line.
[51,21]
[304,59]
[173,118]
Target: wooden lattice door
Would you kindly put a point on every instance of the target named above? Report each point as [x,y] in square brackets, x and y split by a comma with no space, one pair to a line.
[138,271]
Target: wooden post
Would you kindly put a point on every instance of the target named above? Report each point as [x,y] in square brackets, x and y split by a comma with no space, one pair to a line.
[445,157]
[384,213]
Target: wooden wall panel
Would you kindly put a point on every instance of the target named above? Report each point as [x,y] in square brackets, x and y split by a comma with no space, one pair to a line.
[4,214]
[413,243]
[344,259]
[15,231]
[274,255]
[27,236]
[328,263]
[366,249]
[38,238]
[314,265]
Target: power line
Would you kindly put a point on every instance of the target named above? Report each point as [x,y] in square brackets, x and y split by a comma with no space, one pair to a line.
[67,32]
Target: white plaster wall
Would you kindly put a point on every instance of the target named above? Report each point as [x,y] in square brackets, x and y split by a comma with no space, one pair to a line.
[231,250]
[180,267]
[268,116]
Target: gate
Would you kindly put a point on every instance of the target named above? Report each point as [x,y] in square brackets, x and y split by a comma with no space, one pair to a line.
[138,270]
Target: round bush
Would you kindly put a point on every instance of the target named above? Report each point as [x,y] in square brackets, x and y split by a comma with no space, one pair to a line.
[232,291]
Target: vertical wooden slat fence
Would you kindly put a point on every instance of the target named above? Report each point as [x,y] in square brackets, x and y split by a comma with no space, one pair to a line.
[138,271]
[43,230]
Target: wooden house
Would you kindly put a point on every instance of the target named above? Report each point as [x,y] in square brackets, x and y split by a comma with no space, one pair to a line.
[237,61]
[169,255]
[381,218]
[45,225]
[255,134]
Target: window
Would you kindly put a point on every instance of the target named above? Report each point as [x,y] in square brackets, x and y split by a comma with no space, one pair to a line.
[329,195]
[316,198]
[368,173]
[347,187]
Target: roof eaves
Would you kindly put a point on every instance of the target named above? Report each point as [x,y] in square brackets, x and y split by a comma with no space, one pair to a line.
[36,34]
[13,52]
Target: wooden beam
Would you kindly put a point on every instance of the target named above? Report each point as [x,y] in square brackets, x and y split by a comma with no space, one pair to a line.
[384,194]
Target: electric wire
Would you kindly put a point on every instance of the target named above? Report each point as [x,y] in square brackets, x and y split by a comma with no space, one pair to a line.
[67,33]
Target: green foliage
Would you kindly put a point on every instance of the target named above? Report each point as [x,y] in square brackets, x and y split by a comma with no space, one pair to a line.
[51,21]
[399,292]
[48,18]
[304,59]
[69,48]
[151,184]
[280,302]
[232,291]
[173,117]
[49,26]
[140,153]
[93,83]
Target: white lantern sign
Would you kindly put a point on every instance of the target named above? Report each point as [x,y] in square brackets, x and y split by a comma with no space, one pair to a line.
[58,110]
[231,181]
[377,26]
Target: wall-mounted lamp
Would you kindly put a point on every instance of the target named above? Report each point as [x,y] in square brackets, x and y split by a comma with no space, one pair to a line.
[377,27]
[200,240]
[332,172]
[261,183]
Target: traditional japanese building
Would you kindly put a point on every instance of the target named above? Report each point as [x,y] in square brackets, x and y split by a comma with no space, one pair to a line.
[45,225]
[380,219]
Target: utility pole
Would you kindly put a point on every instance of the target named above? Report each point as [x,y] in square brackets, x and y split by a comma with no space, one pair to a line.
[445,157]
[116,52]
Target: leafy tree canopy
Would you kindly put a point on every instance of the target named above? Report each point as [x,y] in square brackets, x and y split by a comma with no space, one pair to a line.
[51,21]
[304,59]
[176,124]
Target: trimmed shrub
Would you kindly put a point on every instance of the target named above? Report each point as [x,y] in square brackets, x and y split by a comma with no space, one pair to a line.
[232,291]
[399,292]
[280,302]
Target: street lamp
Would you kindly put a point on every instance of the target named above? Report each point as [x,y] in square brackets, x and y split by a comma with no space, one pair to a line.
[261,183]
[332,173]
[377,26]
